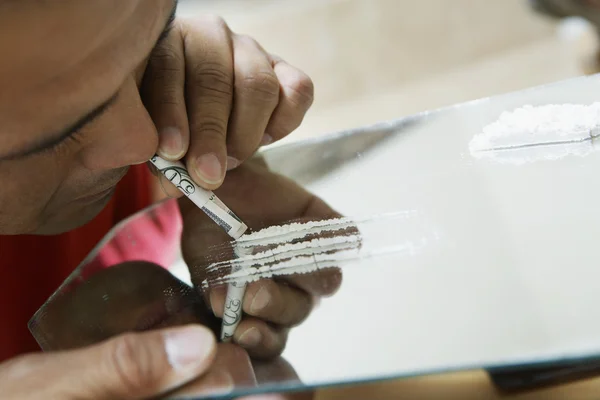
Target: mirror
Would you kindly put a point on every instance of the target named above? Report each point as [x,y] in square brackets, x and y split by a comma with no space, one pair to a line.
[464,262]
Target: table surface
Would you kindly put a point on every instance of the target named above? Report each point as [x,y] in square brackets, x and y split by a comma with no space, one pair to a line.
[468,385]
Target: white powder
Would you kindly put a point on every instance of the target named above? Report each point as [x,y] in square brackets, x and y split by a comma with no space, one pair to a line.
[539,132]
[299,249]
[305,247]
[282,233]
[296,230]
[311,262]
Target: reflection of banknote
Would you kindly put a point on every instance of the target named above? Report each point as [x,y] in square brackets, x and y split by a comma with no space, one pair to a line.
[232,313]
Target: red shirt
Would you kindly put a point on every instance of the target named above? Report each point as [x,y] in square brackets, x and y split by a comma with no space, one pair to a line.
[33,267]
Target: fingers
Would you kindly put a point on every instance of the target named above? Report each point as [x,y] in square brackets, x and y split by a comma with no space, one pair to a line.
[141,365]
[209,96]
[131,366]
[164,96]
[271,98]
[296,97]
[270,308]
[216,96]
[260,339]
[231,368]
[165,186]
[277,303]
[320,283]
[255,98]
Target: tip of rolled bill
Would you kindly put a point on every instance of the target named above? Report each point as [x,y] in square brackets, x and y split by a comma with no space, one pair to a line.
[239,232]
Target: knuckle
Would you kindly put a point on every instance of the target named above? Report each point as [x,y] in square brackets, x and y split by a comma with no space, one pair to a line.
[212,78]
[260,85]
[165,64]
[301,91]
[211,129]
[166,54]
[284,124]
[132,364]
[247,40]
[215,21]
[281,128]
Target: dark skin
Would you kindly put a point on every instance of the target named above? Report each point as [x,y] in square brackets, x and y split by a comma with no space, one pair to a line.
[261,198]
[100,309]
[89,90]
[89,99]
[131,296]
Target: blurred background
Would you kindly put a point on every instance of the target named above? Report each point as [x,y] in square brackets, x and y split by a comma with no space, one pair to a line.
[374,60]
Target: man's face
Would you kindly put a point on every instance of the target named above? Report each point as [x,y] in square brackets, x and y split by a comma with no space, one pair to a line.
[71,118]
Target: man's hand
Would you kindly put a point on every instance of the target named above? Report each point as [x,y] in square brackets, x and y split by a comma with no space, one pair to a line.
[131,366]
[216,96]
[271,306]
[132,297]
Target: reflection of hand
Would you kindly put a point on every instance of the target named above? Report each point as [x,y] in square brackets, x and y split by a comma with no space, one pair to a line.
[133,296]
[233,368]
[260,198]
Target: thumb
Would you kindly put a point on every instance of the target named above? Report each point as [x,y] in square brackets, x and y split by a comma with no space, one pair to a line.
[130,366]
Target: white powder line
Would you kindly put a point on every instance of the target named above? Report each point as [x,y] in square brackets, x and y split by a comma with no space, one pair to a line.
[306,247]
[296,265]
[320,245]
[274,262]
[297,230]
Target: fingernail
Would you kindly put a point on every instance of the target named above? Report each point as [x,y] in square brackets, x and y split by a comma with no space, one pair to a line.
[209,168]
[170,143]
[251,338]
[260,301]
[232,163]
[266,140]
[189,346]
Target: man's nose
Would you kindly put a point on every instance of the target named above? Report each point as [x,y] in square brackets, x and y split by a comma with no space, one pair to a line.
[124,136]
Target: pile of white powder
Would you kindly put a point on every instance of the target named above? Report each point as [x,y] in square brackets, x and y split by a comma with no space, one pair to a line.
[530,126]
